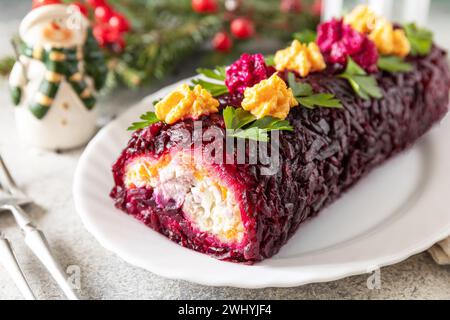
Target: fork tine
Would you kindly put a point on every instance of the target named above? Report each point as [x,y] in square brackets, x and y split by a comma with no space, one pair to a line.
[34,238]
[10,263]
[7,175]
[6,179]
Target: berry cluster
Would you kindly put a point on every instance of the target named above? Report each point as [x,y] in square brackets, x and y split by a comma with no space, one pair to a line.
[240,27]
[109,25]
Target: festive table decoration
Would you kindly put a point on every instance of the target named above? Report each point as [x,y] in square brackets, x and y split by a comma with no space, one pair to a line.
[144,40]
[58,71]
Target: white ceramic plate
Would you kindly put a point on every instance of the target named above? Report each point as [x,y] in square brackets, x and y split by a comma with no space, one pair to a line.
[400,209]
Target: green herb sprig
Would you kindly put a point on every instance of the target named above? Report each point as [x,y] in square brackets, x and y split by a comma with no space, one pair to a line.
[270,60]
[216,87]
[305,36]
[305,95]
[363,84]
[218,73]
[148,118]
[394,64]
[242,124]
[421,39]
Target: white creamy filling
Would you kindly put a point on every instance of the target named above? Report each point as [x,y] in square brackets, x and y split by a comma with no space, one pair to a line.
[212,208]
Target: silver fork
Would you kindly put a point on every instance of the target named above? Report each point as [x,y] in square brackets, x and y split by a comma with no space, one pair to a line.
[10,263]
[33,237]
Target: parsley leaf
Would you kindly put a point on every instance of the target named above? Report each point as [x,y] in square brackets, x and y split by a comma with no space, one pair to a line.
[217,87]
[305,95]
[218,73]
[421,39]
[253,133]
[242,124]
[271,123]
[149,119]
[394,64]
[237,118]
[270,60]
[326,100]
[363,84]
[299,88]
[306,36]
[354,69]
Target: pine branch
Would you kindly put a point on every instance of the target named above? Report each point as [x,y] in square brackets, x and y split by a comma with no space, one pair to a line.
[156,53]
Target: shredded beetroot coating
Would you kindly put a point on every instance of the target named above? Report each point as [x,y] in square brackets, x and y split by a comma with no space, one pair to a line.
[328,152]
[247,71]
[338,41]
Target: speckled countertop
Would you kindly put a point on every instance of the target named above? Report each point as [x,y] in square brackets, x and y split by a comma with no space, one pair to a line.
[47,177]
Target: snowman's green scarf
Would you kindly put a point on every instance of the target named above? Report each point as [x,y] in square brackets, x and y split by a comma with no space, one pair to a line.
[63,63]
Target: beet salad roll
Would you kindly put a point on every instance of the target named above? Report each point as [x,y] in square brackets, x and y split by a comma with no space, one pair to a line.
[231,164]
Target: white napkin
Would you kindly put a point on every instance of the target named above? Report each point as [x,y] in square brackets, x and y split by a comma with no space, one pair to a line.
[441,252]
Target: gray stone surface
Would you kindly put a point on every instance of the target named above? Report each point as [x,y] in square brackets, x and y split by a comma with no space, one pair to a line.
[47,177]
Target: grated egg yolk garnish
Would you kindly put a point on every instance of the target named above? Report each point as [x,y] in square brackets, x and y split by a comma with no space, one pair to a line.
[301,58]
[270,97]
[185,103]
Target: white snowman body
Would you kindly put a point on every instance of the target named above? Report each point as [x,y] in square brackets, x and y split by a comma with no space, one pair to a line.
[68,123]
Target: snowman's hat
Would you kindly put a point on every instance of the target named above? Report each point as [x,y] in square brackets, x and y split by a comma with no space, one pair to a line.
[41,3]
[44,10]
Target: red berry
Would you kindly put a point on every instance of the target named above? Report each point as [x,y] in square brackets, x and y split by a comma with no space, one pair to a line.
[287,6]
[112,35]
[100,34]
[222,42]
[242,28]
[103,13]
[109,37]
[204,6]
[119,22]
[96,3]
[81,7]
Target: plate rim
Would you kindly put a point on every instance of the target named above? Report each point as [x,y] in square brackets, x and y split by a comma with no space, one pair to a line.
[334,272]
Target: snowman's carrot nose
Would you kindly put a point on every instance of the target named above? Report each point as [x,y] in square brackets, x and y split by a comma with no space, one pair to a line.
[56,26]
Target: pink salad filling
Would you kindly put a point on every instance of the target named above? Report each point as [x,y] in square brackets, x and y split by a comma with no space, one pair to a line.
[247,71]
[178,182]
[338,41]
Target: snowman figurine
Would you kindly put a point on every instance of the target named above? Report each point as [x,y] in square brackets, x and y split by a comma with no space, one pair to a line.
[54,81]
